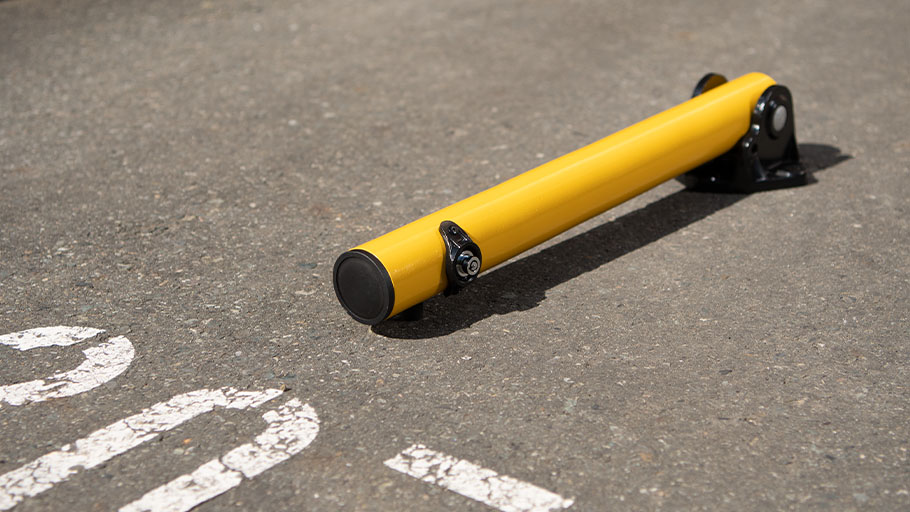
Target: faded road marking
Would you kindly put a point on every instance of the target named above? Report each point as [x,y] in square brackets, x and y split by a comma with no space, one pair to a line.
[291,429]
[102,363]
[59,336]
[102,445]
[468,479]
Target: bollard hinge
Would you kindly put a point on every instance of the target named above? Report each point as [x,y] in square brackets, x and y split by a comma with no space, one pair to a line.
[765,158]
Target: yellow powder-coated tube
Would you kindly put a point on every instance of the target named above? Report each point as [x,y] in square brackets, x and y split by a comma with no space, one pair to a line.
[404,267]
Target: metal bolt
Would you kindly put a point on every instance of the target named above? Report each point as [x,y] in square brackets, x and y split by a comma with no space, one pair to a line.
[779,118]
[468,264]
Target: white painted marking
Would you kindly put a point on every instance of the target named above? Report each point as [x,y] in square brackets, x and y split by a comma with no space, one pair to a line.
[100,446]
[468,479]
[102,363]
[291,429]
[187,491]
[59,336]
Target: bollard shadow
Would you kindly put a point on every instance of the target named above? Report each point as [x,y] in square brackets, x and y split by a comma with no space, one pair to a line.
[520,285]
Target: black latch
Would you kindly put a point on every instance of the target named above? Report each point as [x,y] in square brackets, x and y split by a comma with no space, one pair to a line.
[462,259]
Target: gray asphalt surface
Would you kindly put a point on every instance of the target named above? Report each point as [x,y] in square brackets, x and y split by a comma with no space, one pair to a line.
[185,173]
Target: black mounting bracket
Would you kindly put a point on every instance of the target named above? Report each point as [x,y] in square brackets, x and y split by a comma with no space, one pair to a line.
[462,258]
[765,158]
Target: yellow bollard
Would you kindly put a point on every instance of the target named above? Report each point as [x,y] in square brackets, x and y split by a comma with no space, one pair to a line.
[738,134]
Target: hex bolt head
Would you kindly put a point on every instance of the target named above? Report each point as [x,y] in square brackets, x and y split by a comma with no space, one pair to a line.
[467,264]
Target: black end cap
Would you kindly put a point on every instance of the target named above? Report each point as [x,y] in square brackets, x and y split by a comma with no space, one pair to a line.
[363,286]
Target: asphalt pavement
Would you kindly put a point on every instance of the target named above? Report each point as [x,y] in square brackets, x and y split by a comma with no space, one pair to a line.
[182,175]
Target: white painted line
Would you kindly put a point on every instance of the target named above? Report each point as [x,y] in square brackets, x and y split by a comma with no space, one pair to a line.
[59,336]
[102,445]
[187,491]
[102,363]
[468,479]
[291,429]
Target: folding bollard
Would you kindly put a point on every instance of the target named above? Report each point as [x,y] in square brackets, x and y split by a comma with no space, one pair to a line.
[730,136]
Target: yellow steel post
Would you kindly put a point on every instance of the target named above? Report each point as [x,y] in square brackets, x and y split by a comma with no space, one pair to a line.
[404,267]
